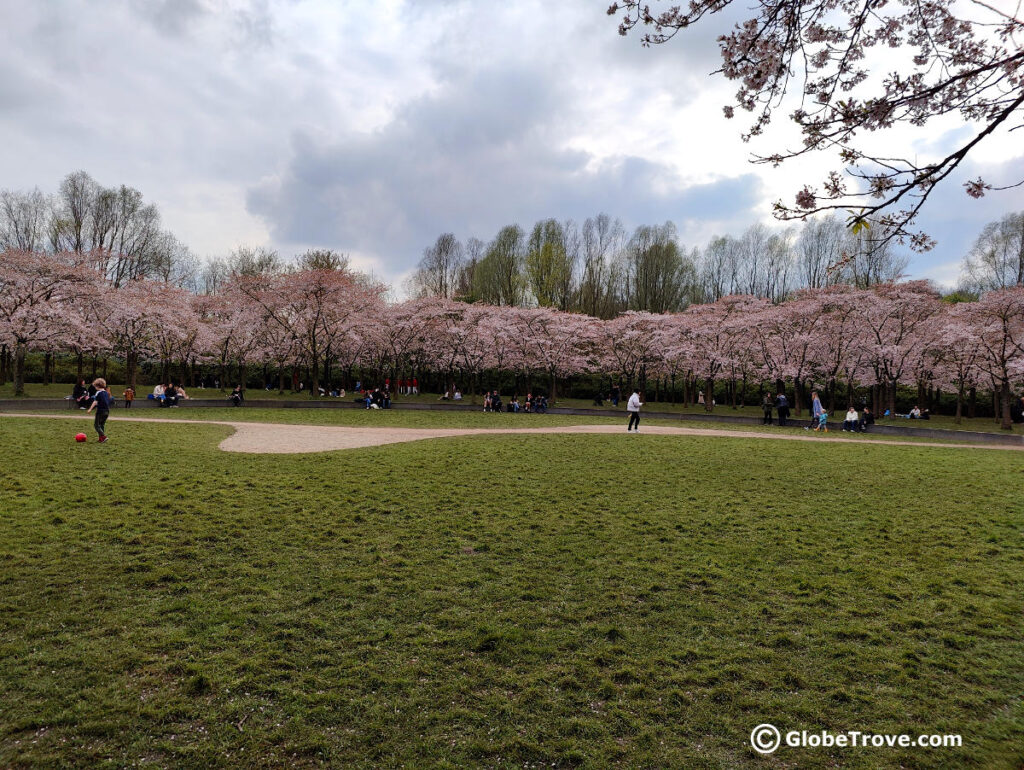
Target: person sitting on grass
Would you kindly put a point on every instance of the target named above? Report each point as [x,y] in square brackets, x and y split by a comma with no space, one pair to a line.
[529,402]
[851,422]
[514,405]
[457,396]
[540,405]
[446,396]
[158,390]
[915,413]
[487,401]
[496,402]
[237,396]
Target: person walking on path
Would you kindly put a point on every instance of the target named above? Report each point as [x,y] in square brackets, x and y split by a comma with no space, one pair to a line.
[766,405]
[633,407]
[816,411]
[101,402]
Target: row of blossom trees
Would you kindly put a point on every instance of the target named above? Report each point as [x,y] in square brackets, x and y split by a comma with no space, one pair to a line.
[330,322]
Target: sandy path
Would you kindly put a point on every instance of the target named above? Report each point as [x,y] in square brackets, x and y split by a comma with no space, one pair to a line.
[280,438]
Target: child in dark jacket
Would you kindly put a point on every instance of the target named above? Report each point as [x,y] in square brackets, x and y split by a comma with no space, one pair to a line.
[102,402]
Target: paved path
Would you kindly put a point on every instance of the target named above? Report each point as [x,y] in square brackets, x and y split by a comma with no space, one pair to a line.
[281,438]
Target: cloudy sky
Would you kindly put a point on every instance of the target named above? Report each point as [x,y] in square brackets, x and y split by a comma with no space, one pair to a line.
[372,127]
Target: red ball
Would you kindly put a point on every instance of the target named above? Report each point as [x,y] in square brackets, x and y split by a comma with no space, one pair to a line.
[80,437]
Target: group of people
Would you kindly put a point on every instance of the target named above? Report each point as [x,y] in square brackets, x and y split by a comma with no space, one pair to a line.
[407,387]
[914,414]
[378,398]
[819,417]
[85,395]
[169,394]
[535,404]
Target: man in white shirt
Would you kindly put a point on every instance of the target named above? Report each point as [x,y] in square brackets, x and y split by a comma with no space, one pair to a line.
[852,420]
[633,407]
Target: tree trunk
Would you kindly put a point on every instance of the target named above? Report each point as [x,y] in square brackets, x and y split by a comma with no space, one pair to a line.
[959,403]
[709,395]
[1007,421]
[20,348]
[892,396]
[554,389]
[78,371]
[129,369]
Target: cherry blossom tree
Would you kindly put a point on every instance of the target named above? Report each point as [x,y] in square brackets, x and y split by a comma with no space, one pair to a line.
[940,57]
[714,332]
[39,296]
[890,316]
[956,349]
[315,306]
[999,324]
[632,343]
[549,342]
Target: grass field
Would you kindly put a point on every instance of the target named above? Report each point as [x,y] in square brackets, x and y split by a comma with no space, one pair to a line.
[945,422]
[503,601]
[450,419]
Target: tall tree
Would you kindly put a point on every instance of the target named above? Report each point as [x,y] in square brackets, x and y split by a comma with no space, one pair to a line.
[996,261]
[438,271]
[498,278]
[660,277]
[548,265]
[601,239]
[23,220]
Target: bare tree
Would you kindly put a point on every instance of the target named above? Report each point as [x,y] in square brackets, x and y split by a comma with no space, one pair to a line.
[820,245]
[23,220]
[601,239]
[438,271]
[322,259]
[996,261]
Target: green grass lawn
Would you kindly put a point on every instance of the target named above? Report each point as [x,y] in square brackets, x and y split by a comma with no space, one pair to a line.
[982,424]
[445,419]
[503,601]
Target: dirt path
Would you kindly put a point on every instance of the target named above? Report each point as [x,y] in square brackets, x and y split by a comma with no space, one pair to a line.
[281,438]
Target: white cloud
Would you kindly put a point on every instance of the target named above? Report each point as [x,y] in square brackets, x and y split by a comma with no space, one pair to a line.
[371,128]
